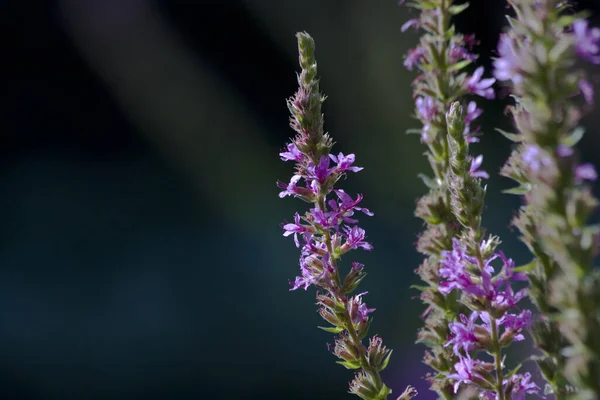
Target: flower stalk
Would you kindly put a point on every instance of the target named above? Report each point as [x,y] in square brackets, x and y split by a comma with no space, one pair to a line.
[328,231]
[441,59]
[537,60]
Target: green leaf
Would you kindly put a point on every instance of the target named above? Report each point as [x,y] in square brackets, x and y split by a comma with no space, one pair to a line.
[414,131]
[511,136]
[457,9]
[523,189]
[527,267]
[429,182]
[385,362]
[350,364]
[332,329]
[567,20]
[384,393]
[513,371]
[574,137]
[459,65]
[420,288]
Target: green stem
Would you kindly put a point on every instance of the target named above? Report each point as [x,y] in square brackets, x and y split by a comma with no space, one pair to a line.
[497,359]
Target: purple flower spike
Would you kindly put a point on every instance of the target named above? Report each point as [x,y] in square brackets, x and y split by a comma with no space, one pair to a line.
[481,87]
[588,41]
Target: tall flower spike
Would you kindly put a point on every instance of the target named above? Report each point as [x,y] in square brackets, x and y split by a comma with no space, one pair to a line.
[441,58]
[537,59]
[494,321]
[327,231]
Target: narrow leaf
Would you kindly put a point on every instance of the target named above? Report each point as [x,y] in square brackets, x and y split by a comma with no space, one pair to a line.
[523,189]
[385,362]
[332,329]
[429,182]
[350,364]
[457,9]
[511,136]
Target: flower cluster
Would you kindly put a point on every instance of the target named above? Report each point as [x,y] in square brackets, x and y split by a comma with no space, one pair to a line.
[328,231]
[537,59]
[441,58]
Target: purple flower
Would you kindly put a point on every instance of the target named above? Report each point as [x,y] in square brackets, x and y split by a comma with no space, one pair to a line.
[319,173]
[521,385]
[481,87]
[585,172]
[292,153]
[463,334]
[313,270]
[296,228]
[358,310]
[562,150]
[355,238]
[474,170]
[453,271]
[410,23]
[506,67]
[536,159]
[587,90]
[473,112]
[458,53]
[465,371]
[413,57]
[344,163]
[428,110]
[346,207]
[588,41]
[514,324]
[290,189]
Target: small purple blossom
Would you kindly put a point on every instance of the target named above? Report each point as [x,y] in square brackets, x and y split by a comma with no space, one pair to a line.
[355,238]
[481,87]
[515,323]
[585,172]
[587,90]
[458,53]
[506,67]
[357,309]
[535,158]
[588,41]
[411,23]
[292,153]
[522,385]
[474,170]
[296,228]
[465,371]
[463,334]
[563,151]
[413,57]
[344,163]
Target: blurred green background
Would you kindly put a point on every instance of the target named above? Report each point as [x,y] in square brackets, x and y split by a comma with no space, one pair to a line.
[141,253]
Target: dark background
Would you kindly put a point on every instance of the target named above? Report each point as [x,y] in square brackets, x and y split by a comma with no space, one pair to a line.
[141,253]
